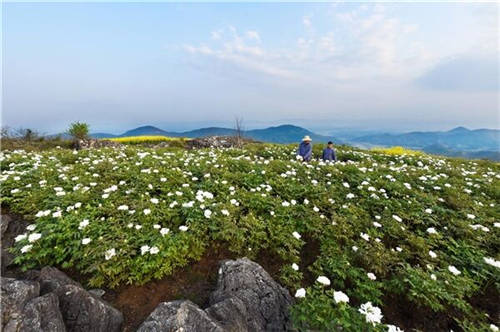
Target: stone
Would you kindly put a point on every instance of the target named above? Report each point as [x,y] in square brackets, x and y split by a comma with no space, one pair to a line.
[267,303]
[42,314]
[83,311]
[231,314]
[15,295]
[97,292]
[179,316]
[51,278]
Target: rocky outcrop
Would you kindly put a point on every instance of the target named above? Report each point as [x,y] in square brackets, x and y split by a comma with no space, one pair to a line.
[24,310]
[216,142]
[266,301]
[64,305]
[246,299]
[83,311]
[179,316]
[93,143]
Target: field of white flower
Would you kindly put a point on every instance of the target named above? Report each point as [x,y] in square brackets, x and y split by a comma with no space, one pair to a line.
[391,232]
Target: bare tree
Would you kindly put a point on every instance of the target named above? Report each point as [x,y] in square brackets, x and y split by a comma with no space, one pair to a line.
[238,130]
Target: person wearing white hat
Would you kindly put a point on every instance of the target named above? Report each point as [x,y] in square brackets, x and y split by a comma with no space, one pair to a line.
[305,148]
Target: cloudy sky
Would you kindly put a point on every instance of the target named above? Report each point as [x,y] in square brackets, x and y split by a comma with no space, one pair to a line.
[390,66]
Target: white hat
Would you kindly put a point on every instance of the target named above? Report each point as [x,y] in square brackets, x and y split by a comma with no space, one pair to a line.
[306,138]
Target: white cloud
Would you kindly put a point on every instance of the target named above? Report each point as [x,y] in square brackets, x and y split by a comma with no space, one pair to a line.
[306,20]
[252,34]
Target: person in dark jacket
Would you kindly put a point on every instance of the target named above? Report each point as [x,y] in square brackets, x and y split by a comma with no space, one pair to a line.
[305,149]
[329,153]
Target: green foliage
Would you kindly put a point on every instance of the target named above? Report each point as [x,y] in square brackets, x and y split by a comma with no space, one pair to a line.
[79,130]
[365,223]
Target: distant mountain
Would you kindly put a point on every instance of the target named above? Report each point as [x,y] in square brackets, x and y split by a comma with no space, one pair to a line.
[279,134]
[440,149]
[459,139]
[145,131]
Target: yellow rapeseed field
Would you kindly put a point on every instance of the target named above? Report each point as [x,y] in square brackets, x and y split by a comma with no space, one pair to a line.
[145,139]
[398,150]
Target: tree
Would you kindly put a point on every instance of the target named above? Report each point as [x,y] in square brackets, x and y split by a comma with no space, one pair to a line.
[238,131]
[79,130]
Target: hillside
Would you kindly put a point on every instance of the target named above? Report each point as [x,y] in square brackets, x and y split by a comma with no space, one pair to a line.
[279,134]
[458,139]
[370,242]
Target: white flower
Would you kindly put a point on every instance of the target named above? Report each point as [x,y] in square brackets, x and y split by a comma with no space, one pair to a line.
[393,328]
[31,227]
[21,237]
[183,228]
[376,224]
[471,216]
[323,280]
[365,236]
[154,200]
[354,248]
[57,214]
[429,211]
[397,218]
[350,195]
[225,212]
[146,211]
[154,250]
[123,208]
[164,231]
[86,241]
[34,237]
[371,276]
[285,203]
[301,292]
[296,235]
[26,248]
[431,230]
[494,328]
[372,314]
[340,297]
[83,224]
[144,250]
[109,254]
[454,270]
[432,254]
[492,262]
[156,226]
[138,226]
[399,249]
[295,267]
[433,276]
[207,213]
[345,184]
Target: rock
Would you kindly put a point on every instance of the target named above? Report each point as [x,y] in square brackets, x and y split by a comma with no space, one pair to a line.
[97,292]
[93,143]
[266,302]
[4,223]
[42,314]
[217,142]
[179,316]
[51,278]
[83,311]
[15,295]
[231,313]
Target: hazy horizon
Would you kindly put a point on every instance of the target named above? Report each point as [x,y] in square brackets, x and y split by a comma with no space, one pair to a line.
[394,67]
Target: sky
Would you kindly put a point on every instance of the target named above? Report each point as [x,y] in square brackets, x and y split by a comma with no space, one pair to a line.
[375,66]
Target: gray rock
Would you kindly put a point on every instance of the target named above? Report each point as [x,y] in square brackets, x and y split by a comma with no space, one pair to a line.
[51,278]
[15,295]
[266,302]
[42,314]
[179,316]
[4,223]
[231,313]
[97,292]
[83,311]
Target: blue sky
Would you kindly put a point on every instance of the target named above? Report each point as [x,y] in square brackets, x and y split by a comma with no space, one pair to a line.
[390,66]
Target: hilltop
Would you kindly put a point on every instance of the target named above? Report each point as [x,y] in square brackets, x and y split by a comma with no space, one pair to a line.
[412,238]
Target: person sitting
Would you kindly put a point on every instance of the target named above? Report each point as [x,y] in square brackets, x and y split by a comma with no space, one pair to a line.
[329,153]
[305,149]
